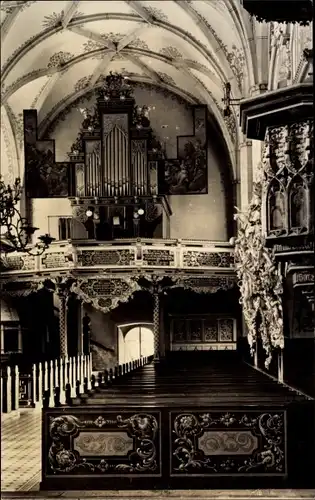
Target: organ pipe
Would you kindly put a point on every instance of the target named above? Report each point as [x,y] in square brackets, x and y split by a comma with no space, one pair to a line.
[116,163]
[139,165]
[93,170]
[116,174]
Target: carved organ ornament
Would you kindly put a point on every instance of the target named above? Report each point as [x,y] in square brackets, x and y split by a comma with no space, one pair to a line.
[288,180]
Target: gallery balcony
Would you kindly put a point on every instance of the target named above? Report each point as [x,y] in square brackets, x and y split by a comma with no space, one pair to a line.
[132,255]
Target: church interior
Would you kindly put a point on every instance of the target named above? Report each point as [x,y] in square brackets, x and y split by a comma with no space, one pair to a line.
[157,241]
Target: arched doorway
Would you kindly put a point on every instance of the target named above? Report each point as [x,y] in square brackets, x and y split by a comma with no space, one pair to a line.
[135,342]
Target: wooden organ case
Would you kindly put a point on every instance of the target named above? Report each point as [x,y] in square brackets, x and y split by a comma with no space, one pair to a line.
[114,170]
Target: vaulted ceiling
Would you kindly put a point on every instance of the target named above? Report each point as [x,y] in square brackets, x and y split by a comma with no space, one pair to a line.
[53,51]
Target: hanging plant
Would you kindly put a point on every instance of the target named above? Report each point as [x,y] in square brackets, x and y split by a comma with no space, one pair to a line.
[259,280]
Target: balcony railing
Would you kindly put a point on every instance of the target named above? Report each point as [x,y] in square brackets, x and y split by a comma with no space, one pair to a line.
[125,254]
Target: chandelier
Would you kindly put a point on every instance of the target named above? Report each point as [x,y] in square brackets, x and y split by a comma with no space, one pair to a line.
[15,229]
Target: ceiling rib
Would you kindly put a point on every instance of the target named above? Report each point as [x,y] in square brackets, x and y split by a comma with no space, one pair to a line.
[69,12]
[179,64]
[8,4]
[146,69]
[140,11]
[46,90]
[131,36]
[8,23]
[93,36]
[100,68]
[126,51]
[226,73]
[118,48]
[14,135]
[74,26]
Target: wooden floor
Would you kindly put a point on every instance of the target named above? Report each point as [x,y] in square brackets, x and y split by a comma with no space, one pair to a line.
[216,378]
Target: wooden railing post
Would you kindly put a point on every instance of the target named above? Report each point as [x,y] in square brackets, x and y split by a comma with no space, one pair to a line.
[2,393]
[280,366]
[81,369]
[88,371]
[68,394]
[8,390]
[46,377]
[51,384]
[78,388]
[57,374]
[57,396]
[72,378]
[46,398]
[40,385]
[256,355]
[17,388]
[34,383]
[62,382]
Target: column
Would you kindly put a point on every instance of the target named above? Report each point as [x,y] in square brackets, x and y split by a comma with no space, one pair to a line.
[162,330]
[80,326]
[140,342]
[63,334]
[86,321]
[246,173]
[20,345]
[156,325]
[2,339]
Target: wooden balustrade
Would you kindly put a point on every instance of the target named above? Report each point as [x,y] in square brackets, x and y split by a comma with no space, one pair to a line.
[182,254]
[10,384]
[57,382]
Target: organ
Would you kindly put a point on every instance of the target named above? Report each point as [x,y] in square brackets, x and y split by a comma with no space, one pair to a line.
[117,177]
[115,164]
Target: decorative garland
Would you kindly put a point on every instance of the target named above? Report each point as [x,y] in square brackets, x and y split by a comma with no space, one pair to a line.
[259,280]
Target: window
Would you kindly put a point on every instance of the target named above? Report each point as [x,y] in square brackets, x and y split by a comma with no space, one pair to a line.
[65,228]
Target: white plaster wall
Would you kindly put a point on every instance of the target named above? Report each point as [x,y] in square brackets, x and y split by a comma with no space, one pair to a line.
[45,214]
[194,216]
[201,216]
